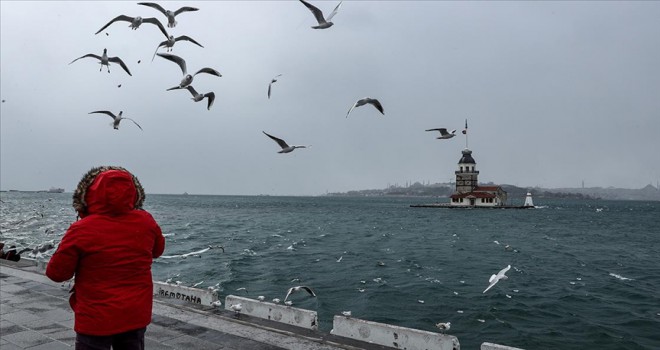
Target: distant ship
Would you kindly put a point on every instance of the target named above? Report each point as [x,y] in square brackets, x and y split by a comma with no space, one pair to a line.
[56,190]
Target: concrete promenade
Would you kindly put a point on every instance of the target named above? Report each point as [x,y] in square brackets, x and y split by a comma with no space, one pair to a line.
[35,314]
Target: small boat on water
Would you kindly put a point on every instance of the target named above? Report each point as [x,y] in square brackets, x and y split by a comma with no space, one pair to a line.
[56,190]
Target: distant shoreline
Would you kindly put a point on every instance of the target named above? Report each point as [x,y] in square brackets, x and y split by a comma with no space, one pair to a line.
[444,190]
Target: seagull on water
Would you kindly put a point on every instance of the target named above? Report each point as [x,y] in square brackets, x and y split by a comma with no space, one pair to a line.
[443,326]
[297,289]
[285,147]
[496,278]
[274,80]
[105,61]
[171,40]
[318,14]
[346,313]
[171,23]
[444,134]
[198,97]
[117,118]
[367,100]
[187,78]
[135,23]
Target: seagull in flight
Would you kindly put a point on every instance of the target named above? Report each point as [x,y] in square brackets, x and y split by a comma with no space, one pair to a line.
[496,278]
[105,61]
[297,289]
[198,97]
[187,78]
[367,100]
[285,147]
[171,40]
[444,134]
[117,118]
[135,23]
[274,80]
[171,23]
[318,14]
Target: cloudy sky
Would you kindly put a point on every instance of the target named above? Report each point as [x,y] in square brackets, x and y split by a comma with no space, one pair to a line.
[555,93]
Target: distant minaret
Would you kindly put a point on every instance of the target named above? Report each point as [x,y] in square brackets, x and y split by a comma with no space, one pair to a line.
[466,175]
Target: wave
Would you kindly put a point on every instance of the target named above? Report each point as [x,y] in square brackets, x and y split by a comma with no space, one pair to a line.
[621,277]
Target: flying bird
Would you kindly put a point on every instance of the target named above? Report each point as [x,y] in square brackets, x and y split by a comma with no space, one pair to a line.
[171,40]
[444,134]
[171,23]
[318,14]
[297,289]
[105,61]
[285,147]
[274,80]
[198,97]
[367,100]
[496,278]
[117,118]
[187,78]
[136,22]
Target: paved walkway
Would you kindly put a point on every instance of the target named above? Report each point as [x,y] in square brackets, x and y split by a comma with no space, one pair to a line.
[35,314]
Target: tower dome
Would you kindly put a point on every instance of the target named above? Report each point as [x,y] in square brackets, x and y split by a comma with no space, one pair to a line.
[467,157]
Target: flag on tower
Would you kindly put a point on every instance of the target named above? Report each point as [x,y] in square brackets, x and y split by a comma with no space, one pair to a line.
[465,130]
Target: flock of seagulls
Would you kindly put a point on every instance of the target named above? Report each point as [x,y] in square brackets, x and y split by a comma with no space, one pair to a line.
[323,22]
[168,44]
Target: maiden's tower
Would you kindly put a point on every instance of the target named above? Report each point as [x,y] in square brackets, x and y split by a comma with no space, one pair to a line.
[468,192]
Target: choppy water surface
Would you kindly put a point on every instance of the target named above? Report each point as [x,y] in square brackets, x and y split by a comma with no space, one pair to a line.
[585,274]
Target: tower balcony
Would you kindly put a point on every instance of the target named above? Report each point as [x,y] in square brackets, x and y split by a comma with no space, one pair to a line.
[457,172]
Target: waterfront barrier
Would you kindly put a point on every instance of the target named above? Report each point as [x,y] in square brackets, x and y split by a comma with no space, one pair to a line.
[275,312]
[392,336]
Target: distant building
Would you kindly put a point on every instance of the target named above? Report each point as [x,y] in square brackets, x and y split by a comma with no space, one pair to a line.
[468,193]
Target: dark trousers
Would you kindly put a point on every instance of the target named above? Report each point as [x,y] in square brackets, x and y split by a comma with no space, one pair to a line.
[131,340]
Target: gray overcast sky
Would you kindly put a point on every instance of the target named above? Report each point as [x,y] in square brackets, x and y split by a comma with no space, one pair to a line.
[554,93]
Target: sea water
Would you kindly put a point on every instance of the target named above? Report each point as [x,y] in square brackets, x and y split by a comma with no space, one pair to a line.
[584,274]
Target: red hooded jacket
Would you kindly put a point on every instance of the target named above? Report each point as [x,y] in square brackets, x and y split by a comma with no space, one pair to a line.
[110,251]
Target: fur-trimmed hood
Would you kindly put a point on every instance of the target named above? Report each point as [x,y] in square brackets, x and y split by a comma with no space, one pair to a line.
[107,190]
